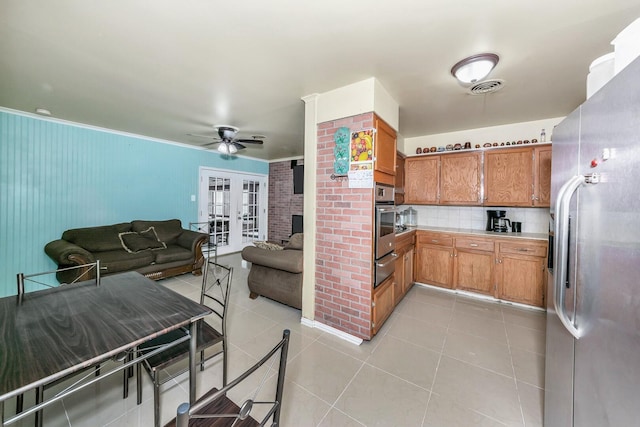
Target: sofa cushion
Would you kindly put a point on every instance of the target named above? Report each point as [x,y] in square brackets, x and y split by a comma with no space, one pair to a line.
[121,260]
[97,239]
[167,231]
[295,242]
[133,242]
[172,253]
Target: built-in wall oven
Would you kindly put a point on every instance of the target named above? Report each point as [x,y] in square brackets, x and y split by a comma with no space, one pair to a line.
[385,233]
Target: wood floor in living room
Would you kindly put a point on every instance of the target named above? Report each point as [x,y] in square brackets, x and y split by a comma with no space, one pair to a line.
[440,360]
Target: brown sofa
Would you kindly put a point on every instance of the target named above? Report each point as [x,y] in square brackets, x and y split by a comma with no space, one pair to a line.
[156,249]
[277,274]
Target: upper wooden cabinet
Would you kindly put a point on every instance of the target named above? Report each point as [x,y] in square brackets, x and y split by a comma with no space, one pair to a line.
[508,178]
[422,180]
[518,176]
[384,152]
[542,176]
[399,180]
[460,178]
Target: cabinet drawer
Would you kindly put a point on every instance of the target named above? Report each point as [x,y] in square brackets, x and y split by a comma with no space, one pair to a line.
[435,239]
[523,249]
[475,244]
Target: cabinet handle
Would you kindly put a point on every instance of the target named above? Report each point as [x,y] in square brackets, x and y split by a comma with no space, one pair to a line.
[473,245]
[434,241]
[523,249]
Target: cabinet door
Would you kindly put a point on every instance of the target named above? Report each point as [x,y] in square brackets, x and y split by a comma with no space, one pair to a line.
[399,180]
[382,304]
[434,265]
[408,271]
[460,179]
[422,180]
[473,271]
[384,152]
[522,279]
[508,177]
[398,291]
[542,176]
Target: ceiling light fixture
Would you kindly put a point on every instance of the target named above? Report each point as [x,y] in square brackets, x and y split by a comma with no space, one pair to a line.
[227,148]
[475,67]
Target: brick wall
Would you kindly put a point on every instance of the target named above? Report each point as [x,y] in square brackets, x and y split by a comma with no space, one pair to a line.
[282,202]
[344,238]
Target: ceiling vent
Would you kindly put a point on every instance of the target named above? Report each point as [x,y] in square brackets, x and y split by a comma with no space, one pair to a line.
[486,86]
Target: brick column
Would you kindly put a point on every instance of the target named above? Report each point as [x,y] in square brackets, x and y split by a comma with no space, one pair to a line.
[344,240]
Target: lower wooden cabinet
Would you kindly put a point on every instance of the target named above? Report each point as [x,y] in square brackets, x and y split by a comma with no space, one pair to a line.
[382,304]
[473,265]
[434,255]
[521,272]
[509,269]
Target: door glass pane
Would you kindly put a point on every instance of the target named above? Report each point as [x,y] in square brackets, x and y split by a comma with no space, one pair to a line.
[250,210]
[219,209]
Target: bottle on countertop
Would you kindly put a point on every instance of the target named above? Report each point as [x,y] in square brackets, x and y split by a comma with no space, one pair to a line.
[543,136]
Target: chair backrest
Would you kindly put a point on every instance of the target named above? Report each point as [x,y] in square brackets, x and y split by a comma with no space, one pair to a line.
[85,274]
[216,288]
[269,409]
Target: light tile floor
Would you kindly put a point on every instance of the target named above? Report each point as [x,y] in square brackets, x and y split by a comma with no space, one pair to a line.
[440,360]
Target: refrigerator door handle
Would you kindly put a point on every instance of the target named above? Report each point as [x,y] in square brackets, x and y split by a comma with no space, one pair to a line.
[561,249]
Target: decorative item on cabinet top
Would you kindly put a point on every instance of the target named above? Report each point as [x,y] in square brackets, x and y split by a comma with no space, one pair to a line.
[468,146]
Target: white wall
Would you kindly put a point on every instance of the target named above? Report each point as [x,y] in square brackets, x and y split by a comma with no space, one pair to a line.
[503,133]
[534,220]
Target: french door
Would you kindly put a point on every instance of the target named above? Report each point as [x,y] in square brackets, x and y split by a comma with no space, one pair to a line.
[235,207]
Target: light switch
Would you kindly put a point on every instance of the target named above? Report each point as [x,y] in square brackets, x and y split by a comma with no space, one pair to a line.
[193,197]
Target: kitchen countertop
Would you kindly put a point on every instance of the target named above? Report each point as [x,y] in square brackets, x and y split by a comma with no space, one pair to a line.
[508,235]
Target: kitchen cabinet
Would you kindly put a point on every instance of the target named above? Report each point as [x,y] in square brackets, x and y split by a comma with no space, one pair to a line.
[508,177]
[382,304]
[510,269]
[460,175]
[404,265]
[422,180]
[520,271]
[399,179]
[434,259]
[474,258]
[384,152]
[542,176]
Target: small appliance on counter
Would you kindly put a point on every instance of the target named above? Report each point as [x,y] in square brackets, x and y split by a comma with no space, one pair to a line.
[497,222]
[409,217]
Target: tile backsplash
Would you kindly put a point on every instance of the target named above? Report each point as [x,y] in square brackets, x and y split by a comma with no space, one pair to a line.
[534,220]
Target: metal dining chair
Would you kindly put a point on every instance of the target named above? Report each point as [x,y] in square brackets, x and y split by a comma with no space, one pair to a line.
[216,286]
[33,282]
[216,409]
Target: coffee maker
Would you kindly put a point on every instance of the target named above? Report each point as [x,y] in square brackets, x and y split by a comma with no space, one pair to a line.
[497,222]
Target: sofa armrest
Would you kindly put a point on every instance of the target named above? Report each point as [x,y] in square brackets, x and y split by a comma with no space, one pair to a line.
[67,254]
[191,239]
[290,260]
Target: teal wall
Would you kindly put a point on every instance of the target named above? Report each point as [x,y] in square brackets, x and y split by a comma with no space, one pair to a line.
[55,176]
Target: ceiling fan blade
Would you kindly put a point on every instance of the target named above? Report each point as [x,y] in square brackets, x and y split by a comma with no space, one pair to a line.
[250,141]
[238,145]
[204,136]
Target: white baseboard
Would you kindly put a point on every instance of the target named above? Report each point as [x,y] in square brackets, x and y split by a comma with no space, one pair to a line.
[333,331]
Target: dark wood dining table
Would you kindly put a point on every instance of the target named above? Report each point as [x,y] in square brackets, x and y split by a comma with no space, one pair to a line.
[46,335]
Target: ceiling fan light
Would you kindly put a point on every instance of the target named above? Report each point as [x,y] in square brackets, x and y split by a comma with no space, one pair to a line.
[474,68]
[223,148]
[232,149]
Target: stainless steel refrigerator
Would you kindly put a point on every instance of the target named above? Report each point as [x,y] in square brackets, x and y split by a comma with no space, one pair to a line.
[592,375]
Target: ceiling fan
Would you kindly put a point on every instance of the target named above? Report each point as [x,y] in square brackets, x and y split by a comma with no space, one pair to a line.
[229,144]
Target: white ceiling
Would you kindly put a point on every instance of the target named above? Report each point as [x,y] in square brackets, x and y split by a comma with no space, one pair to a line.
[167,68]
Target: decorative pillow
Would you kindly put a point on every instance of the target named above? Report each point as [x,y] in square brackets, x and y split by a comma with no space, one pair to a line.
[134,242]
[268,245]
[295,242]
